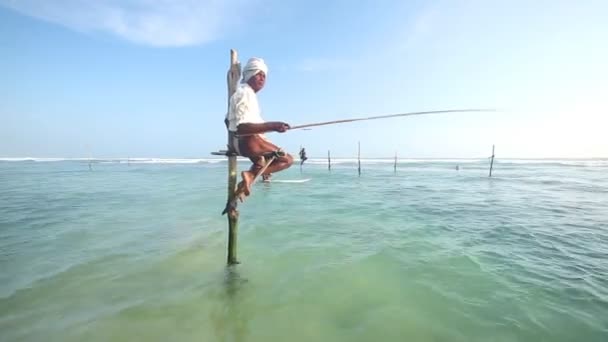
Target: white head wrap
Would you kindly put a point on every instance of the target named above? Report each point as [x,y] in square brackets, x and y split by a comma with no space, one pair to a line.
[254,65]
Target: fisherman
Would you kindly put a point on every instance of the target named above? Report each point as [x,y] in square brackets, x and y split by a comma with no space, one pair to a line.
[303,156]
[247,127]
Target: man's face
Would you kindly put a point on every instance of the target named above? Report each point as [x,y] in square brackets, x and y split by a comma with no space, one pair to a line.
[257,81]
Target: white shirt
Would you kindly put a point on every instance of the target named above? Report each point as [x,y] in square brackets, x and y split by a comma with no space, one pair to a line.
[244,107]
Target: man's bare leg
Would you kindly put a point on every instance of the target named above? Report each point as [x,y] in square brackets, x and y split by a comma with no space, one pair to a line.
[255,147]
[248,176]
[280,164]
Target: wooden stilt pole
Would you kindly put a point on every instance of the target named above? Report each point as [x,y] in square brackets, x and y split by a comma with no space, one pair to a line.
[395,162]
[90,159]
[359,159]
[233,214]
[491,161]
[233,76]
[328,161]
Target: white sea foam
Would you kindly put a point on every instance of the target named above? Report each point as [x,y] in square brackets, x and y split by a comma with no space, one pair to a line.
[171,160]
[566,162]
[33,159]
[321,161]
[392,160]
[119,160]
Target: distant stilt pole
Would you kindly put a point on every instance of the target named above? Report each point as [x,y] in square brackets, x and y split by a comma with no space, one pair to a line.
[395,166]
[234,74]
[90,158]
[328,161]
[359,158]
[491,161]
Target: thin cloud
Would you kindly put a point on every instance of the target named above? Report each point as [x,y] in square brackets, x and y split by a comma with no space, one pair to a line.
[156,23]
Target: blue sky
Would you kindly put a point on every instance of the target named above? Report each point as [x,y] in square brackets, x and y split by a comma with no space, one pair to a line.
[137,78]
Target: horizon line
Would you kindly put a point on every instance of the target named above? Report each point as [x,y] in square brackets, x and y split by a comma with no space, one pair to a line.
[2,158]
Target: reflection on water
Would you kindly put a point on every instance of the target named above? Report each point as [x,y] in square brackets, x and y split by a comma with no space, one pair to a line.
[231,313]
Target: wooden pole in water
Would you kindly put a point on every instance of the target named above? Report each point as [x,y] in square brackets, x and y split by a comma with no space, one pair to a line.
[359,159]
[491,161]
[395,162]
[232,78]
[328,161]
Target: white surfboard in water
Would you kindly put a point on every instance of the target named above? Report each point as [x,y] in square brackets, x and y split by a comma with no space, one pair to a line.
[288,180]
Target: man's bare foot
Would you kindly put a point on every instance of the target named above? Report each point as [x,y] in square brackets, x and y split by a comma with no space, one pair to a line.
[247,180]
[240,191]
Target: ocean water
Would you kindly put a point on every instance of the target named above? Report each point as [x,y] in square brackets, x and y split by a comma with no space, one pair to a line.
[135,250]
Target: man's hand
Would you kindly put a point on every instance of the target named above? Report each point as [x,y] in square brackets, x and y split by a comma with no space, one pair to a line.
[280,127]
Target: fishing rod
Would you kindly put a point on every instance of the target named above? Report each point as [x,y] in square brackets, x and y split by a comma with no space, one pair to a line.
[307,126]
[390,116]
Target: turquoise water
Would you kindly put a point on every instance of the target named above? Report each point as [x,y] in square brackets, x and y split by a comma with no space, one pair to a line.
[137,252]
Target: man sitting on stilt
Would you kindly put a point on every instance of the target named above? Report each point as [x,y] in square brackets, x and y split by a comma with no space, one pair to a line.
[247,127]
